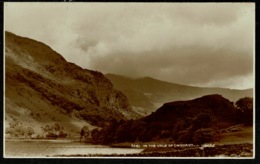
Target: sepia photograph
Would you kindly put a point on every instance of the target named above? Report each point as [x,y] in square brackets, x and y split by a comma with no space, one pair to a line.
[129,80]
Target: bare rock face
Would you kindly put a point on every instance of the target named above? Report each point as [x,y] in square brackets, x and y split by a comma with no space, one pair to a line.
[41,86]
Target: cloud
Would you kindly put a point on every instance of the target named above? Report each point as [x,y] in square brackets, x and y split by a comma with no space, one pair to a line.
[190,43]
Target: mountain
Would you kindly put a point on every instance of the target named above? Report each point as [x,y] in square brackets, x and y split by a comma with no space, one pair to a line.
[147,94]
[215,105]
[43,90]
[191,121]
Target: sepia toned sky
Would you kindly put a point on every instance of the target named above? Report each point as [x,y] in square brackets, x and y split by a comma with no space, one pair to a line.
[200,44]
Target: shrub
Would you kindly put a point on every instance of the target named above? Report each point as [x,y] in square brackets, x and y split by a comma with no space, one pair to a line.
[62,134]
[204,135]
[51,135]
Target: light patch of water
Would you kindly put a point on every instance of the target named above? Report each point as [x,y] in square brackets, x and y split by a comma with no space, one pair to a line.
[52,148]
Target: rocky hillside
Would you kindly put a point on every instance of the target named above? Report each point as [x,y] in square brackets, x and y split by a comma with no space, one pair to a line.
[43,89]
[148,94]
[193,121]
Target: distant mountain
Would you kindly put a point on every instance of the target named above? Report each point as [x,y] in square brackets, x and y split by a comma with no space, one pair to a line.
[180,121]
[43,89]
[147,94]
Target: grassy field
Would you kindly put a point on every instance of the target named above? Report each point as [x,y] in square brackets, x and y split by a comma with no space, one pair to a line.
[232,144]
[243,136]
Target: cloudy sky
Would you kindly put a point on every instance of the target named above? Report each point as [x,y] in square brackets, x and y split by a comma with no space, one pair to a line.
[210,45]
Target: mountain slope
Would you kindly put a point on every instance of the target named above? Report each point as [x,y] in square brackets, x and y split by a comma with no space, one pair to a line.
[42,88]
[178,121]
[148,94]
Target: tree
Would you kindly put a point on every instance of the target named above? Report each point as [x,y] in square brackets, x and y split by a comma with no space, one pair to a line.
[204,135]
[200,130]
[244,111]
[30,131]
[84,132]
[245,104]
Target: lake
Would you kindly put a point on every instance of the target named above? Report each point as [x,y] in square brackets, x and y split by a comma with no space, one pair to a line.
[52,148]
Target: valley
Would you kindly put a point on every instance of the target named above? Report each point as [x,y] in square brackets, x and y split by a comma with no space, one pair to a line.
[48,100]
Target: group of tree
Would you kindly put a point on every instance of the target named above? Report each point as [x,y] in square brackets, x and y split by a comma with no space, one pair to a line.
[196,130]
[244,112]
[84,133]
[54,131]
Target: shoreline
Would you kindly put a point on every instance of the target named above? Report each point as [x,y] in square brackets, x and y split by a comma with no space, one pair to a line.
[231,150]
[41,139]
[188,150]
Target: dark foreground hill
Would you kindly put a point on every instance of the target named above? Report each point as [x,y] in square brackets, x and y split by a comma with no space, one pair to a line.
[216,106]
[45,92]
[180,121]
[148,94]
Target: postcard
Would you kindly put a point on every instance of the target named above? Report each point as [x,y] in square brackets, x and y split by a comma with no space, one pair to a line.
[129,80]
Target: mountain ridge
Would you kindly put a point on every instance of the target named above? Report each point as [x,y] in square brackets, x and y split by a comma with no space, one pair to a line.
[155,92]
[167,82]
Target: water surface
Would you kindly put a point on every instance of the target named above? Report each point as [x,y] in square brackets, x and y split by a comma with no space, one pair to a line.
[50,148]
